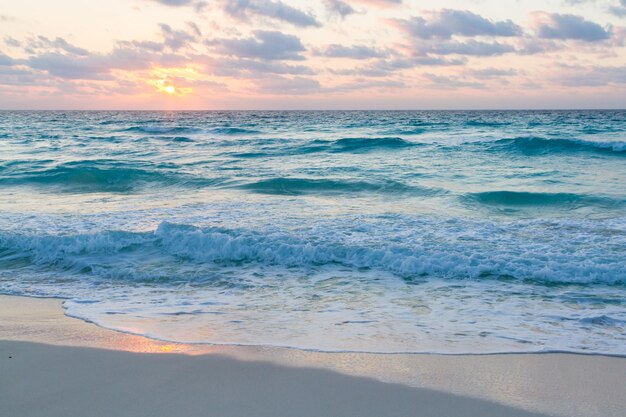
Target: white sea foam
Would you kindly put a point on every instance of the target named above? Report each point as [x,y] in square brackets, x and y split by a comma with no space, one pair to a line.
[543,251]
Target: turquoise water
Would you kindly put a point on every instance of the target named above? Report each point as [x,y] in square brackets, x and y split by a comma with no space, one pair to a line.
[449,232]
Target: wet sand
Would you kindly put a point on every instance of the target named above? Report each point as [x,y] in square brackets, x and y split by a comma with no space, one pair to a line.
[53,365]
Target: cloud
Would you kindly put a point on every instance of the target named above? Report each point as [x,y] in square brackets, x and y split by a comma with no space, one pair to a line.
[446,23]
[9,41]
[440,81]
[491,73]
[59,44]
[370,84]
[568,26]
[127,56]
[275,9]
[175,2]
[267,45]
[362,85]
[619,9]
[10,75]
[344,8]
[198,4]
[245,9]
[386,67]
[131,58]
[72,67]
[379,3]
[176,39]
[598,76]
[194,28]
[49,60]
[470,47]
[6,60]
[252,68]
[339,7]
[532,46]
[289,86]
[443,32]
[353,52]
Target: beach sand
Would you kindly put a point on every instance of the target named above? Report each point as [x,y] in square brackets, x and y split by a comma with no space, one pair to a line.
[53,365]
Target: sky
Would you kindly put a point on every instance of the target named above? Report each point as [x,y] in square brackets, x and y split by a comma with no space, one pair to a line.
[316,54]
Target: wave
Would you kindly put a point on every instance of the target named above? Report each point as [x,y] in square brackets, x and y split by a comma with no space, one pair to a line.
[161,130]
[357,145]
[484,123]
[253,155]
[595,130]
[234,131]
[408,131]
[18,165]
[298,186]
[362,144]
[178,252]
[525,198]
[177,139]
[100,176]
[164,130]
[343,145]
[538,145]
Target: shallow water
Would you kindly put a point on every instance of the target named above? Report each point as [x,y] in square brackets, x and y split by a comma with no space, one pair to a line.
[450,232]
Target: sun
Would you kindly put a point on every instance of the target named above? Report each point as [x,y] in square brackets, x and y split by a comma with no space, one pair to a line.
[170,89]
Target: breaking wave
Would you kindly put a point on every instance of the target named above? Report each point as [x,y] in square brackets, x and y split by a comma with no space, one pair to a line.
[523,251]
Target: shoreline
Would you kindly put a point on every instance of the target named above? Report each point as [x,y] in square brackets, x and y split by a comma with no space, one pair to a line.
[57,347]
[319,351]
[211,346]
[330,352]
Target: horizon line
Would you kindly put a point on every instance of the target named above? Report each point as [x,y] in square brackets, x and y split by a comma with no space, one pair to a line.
[316,110]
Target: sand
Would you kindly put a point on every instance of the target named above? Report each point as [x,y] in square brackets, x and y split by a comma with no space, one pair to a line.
[52,365]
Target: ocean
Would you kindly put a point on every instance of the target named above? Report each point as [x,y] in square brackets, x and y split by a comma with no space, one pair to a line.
[392,232]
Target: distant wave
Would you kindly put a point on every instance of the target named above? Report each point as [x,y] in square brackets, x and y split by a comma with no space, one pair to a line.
[162,130]
[296,186]
[582,259]
[538,145]
[589,130]
[179,139]
[233,131]
[405,131]
[252,155]
[358,144]
[99,176]
[343,145]
[483,123]
[524,198]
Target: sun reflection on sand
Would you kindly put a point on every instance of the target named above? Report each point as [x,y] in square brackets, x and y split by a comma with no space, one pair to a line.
[58,329]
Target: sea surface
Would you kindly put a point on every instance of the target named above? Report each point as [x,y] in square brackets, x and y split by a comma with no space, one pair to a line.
[447,232]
